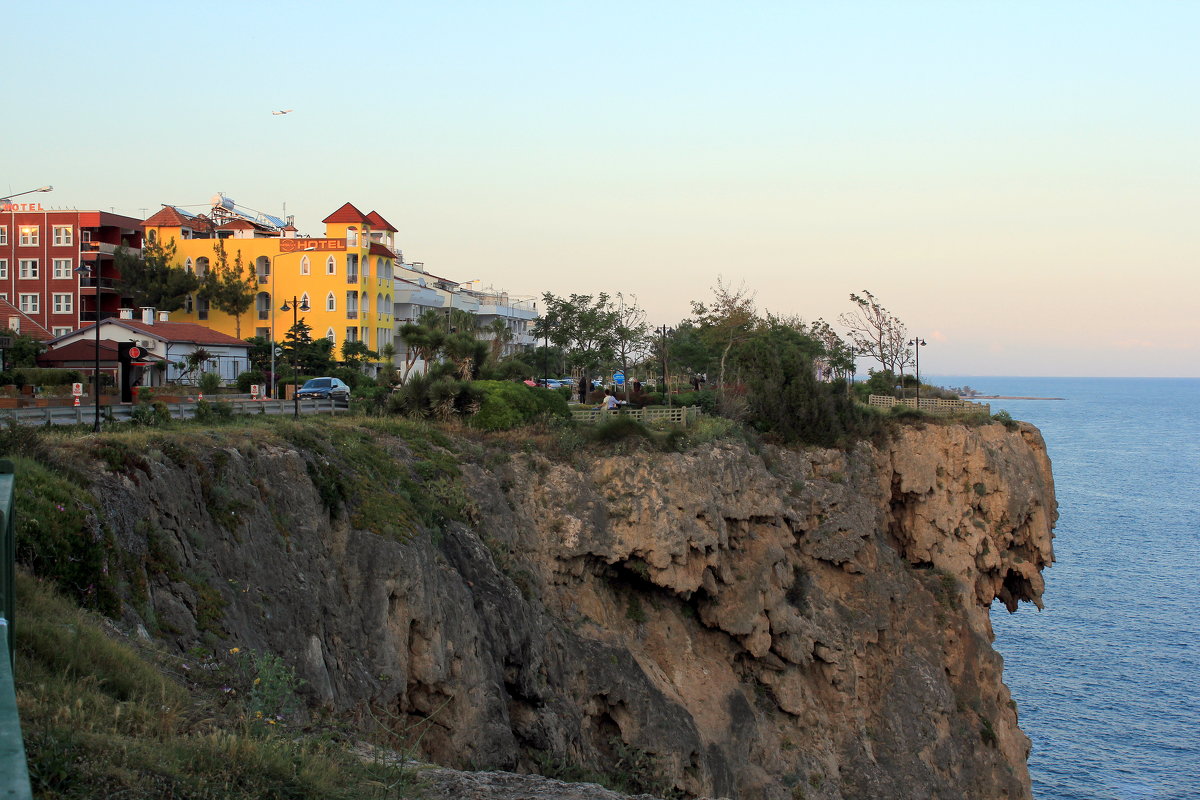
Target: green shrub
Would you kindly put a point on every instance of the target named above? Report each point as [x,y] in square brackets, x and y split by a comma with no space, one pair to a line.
[210,382]
[45,376]
[506,404]
[250,378]
[617,428]
[151,413]
[706,399]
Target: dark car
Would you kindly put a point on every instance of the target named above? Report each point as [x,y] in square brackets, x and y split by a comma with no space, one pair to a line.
[324,387]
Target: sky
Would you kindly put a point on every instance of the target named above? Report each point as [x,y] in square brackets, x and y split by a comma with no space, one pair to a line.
[1017,181]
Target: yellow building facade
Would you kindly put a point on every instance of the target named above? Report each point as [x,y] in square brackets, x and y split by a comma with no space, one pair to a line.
[346,278]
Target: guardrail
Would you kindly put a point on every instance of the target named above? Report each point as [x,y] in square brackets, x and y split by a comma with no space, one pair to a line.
[85,414]
[933,405]
[14,770]
[679,415]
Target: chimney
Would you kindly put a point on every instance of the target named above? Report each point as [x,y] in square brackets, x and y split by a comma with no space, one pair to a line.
[125,313]
[148,315]
[164,316]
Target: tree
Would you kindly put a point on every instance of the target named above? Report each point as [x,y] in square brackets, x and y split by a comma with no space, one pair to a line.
[876,332]
[151,278]
[230,288]
[839,354]
[498,334]
[312,356]
[584,326]
[356,354]
[24,351]
[423,340]
[631,343]
[728,320]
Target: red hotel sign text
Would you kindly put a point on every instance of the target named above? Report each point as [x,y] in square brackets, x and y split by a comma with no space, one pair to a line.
[296,245]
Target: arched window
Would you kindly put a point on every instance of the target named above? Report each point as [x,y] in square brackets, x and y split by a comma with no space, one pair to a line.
[262,268]
[330,302]
[152,235]
[262,304]
[331,266]
[187,266]
[366,304]
[379,307]
[352,236]
[201,267]
[366,267]
[305,266]
[304,301]
[329,334]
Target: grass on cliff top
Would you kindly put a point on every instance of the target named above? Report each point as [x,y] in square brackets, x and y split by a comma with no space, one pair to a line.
[102,718]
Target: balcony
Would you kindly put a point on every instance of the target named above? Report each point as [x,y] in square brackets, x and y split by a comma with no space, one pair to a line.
[88,282]
[352,314]
[351,277]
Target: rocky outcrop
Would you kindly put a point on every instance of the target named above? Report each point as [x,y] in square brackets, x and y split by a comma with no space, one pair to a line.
[718,622]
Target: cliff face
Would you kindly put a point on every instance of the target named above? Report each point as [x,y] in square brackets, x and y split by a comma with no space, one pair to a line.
[771,624]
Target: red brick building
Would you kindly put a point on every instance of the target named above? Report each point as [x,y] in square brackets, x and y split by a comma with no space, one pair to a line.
[40,251]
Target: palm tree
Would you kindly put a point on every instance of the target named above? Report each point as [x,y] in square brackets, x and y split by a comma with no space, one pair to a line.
[500,334]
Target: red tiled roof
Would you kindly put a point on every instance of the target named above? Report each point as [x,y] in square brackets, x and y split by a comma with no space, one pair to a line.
[29,327]
[239,224]
[379,223]
[80,350]
[166,217]
[347,213]
[175,332]
[378,249]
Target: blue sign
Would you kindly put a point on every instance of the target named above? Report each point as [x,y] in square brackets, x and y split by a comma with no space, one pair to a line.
[619,378]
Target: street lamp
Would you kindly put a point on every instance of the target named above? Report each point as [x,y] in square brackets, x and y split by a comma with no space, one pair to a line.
[664,331]
[918,343]
[80,270]
[272,296]
[294,307]
[8,198]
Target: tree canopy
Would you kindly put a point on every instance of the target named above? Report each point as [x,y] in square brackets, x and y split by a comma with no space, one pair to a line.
[151,278]
[230,287]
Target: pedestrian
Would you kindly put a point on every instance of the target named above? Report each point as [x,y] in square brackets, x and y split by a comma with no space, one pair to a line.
[610,401]
[583,388]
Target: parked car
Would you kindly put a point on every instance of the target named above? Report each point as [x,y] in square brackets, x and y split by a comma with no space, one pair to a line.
[324,387]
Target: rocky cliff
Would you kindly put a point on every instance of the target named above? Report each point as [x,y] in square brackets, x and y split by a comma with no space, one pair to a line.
[725,621]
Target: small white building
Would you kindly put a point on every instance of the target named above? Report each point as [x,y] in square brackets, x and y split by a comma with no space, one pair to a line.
[163,341]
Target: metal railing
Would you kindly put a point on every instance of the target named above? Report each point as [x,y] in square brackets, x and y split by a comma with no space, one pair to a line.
[84,414]
[933,405]
[679,415]
[14,770]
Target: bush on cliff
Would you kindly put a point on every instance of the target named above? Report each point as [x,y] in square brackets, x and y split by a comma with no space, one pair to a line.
[507,404]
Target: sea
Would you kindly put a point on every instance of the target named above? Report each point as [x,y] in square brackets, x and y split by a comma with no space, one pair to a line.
[1107,677]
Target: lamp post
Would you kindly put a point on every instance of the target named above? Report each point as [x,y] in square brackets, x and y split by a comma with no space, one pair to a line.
[294,308]
[918,343]
[8,198]
[664,331]
[272,295]
[80,270]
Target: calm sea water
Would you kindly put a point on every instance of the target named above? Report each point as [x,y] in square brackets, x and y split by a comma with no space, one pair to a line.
[1107,678]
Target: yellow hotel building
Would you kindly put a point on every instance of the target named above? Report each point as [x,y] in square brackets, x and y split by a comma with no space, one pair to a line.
[345,277]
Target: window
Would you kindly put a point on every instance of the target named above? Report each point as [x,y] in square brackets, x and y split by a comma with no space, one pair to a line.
[330,266]
[187,266]
[305,266]
[330,302]
[352,236]
[352,268]
[201,269]
[29,267]
[202,307]
[3,269]
[64,235]
[262,268]
[262,303]
[30,235]
[61,331]
[29,303]
[366,305]
[304,301]
[64,303]
[366,268]
[329,335]
[351,334]
[262,333]
[62,268]
[3,234]
[352,306]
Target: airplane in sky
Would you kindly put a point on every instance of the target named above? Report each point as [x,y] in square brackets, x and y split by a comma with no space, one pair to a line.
[279,113]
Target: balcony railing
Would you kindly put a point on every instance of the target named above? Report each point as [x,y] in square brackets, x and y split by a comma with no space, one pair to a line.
[88,282]
[352,314]
[351,277]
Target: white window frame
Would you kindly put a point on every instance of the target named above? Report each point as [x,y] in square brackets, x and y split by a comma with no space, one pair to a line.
[31,235]
[305,265]
[63,268]
[331,302]
[330,335]
[3,269]
[3,234]
[28,268]
[29,303]
[64,303]
[331,266]
[59,331]
[64,235]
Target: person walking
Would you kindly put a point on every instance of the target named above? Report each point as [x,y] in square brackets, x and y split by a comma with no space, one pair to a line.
[583,388]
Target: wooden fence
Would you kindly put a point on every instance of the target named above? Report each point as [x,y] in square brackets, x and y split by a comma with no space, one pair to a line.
[679,415]
[932,405]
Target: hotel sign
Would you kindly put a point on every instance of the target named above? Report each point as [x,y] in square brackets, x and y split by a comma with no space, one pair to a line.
[295,245]
[21,207]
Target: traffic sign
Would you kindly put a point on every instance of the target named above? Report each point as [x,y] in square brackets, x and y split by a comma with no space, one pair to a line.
[135,352]
[619,378]
[77,389]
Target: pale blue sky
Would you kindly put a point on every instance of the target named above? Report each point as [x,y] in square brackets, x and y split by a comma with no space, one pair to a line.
[1018,181]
